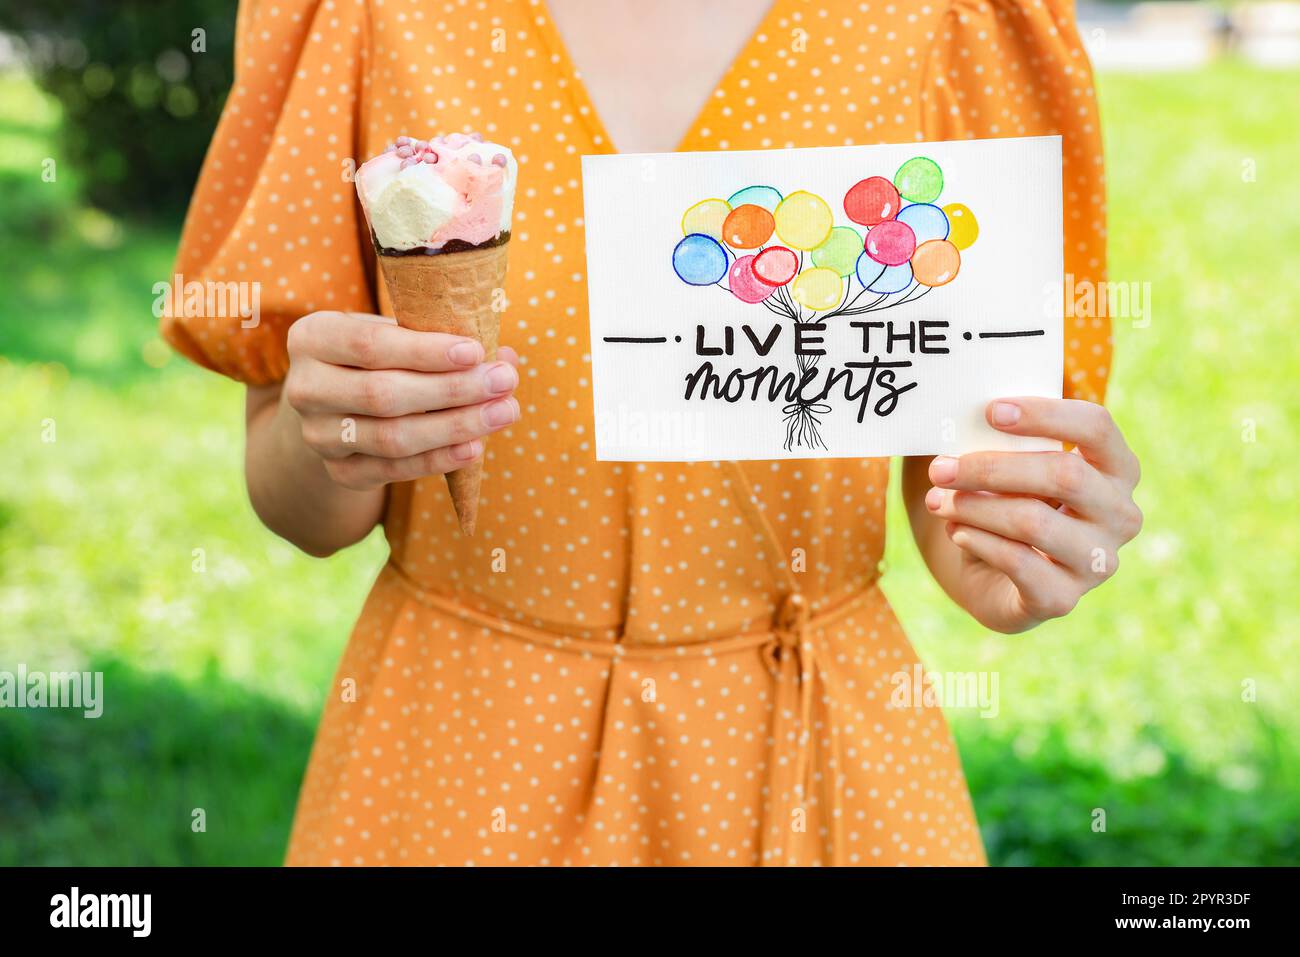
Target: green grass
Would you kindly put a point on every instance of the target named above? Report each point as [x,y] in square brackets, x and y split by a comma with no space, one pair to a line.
[127,544]
[1134,703]
[215,671]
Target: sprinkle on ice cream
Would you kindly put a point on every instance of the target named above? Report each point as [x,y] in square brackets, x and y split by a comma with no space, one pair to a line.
[426,193]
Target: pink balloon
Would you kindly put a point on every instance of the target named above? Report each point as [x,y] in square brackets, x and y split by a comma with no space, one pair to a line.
[891,243]
[744,285]
[776,265]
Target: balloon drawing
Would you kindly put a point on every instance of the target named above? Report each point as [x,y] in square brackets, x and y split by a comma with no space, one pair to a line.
[786,253]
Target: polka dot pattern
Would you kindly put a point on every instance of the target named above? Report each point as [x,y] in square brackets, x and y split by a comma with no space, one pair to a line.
[577,683]
[452,740]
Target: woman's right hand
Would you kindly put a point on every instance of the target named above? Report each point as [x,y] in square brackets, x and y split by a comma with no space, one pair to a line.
[379,403]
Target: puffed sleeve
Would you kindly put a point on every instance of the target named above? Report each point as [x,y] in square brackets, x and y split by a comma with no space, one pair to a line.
[1005,68]
[273,228]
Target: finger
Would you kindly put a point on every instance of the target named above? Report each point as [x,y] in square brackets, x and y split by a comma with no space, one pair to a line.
[1066,539]
[506,354]
[339,437]
[394,392]
[364,341]
[1063,476]
[1084,424]
[1046,590]
[366,471]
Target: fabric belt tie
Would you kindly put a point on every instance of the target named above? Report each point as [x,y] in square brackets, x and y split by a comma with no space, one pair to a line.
[786,648]
[791,657]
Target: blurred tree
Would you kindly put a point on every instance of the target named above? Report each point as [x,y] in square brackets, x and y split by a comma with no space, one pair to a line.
[141,83]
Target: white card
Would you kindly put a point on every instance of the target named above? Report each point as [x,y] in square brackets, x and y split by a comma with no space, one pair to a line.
[724,326]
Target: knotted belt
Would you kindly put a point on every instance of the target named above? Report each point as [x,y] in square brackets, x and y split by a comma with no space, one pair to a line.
[791,656]
[788,650]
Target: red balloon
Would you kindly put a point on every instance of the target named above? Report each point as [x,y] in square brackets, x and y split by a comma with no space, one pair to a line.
[873,200]
[891,243]
[776,265]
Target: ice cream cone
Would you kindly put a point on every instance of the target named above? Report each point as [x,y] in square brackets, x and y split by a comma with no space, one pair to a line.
[439,214]
[453,293]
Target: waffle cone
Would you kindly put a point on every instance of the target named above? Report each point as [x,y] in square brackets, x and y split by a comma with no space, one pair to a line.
[451,293]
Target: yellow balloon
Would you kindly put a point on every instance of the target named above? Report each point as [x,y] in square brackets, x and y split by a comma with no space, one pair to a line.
[963,230]
[706,217]
[803,221]
[817,289]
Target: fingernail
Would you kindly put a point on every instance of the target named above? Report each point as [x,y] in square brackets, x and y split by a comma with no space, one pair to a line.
[501,413]
[465,353]
[943,469]
[1005,413]
[501,377]
[933,499]
[466,450]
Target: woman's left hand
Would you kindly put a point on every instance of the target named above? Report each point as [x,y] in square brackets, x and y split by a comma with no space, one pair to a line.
[1037,530]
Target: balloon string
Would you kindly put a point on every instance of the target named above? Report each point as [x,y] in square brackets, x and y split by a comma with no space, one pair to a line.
[799,312]
[913,298]
[908,297]
[786,313]
[845,307]
[788,305]
[784,293]
[801,426]
[869,307]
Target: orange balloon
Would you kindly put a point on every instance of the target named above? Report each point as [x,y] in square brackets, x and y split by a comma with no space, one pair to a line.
[747,227]
[935,263]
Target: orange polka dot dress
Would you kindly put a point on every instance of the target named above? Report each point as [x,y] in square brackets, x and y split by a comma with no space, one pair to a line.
[628,664]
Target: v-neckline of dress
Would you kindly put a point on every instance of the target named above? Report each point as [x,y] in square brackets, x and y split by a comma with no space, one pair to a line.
[585,106]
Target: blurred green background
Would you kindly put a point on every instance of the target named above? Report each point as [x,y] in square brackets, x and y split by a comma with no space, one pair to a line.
[1134,704]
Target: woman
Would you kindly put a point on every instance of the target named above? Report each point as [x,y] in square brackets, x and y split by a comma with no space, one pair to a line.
[622,666]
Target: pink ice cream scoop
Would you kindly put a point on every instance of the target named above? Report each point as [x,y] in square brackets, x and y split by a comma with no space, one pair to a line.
[427,193]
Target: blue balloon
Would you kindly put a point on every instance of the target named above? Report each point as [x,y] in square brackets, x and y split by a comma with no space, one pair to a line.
[883,280]
[765,196]
[927,221]
[700,260]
